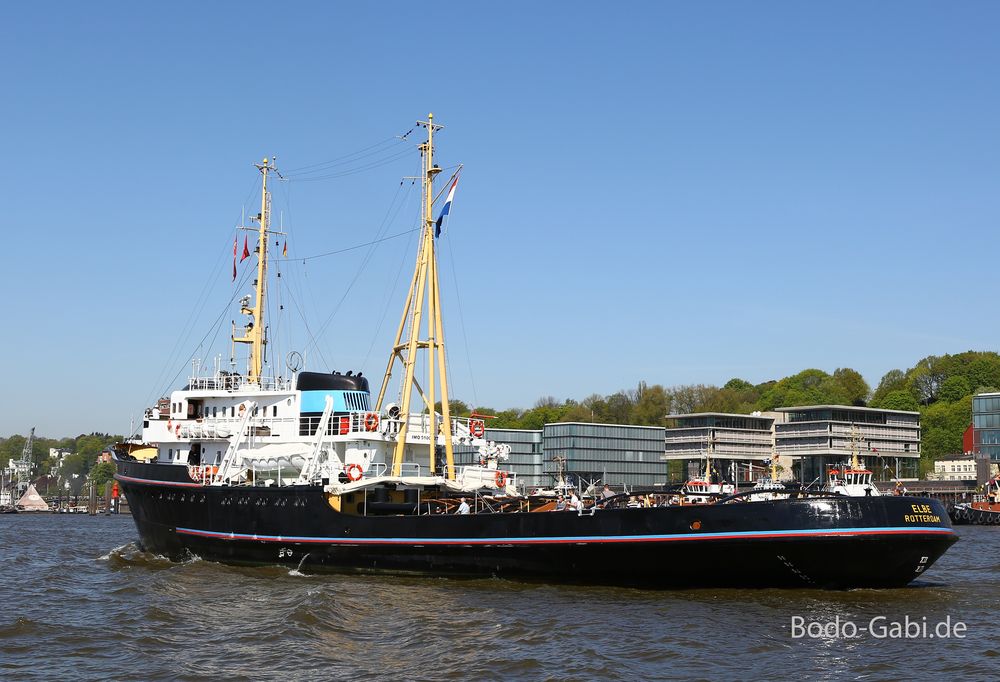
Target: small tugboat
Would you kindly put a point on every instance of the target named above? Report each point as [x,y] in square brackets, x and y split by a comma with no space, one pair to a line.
[852,480]
[984,511]
[701,489]
[311,471]
[769,487]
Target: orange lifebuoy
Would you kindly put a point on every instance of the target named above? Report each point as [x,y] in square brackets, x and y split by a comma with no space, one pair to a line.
[354,472]
[371,422]
[477,428]
[177,430]
[500,479]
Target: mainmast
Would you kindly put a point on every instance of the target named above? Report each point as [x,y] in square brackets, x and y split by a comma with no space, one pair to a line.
[424,297]
[253,333]
[855,441]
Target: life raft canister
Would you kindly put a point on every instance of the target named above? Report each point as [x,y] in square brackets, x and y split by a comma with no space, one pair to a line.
[354,472]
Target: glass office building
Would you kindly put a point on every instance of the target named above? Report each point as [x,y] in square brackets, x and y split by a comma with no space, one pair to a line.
[986,425]
[740,444]
[605,453]
[819,437]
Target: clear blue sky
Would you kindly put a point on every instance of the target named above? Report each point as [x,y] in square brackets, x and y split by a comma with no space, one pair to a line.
[669,192]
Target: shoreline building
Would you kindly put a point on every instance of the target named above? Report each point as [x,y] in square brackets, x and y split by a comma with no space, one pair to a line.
[618,454]
[986,425]
[819,437]
[607,453]
[809,440]
[741,444]
[954,468]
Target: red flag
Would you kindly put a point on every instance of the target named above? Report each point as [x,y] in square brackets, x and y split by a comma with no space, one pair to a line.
[284,250]
[246,250]
[236,244]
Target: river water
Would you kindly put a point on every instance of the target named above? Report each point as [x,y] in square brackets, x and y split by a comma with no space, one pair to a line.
[78,600]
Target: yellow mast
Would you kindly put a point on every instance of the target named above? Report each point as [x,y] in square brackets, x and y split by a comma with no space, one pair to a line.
[855,439]
[424,291]
[254,331]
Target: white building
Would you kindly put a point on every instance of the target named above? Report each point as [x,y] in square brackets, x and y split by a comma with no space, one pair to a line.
[955,468]
[820,437]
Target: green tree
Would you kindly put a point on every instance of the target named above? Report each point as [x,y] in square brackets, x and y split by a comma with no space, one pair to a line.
[954,388]
[737,384]
[851,386]
[101,473]
[897,400]
[808,387]
[652,406]
[620,408]
[894,380]
[926,378]
[983,370]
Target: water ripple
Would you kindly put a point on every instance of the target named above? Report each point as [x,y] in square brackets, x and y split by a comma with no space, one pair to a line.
[97,605]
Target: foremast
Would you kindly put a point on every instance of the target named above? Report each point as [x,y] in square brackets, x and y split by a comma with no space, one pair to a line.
[423,299]
[253,331]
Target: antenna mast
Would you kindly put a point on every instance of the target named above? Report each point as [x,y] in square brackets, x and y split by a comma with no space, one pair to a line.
[424,295]
[254,330]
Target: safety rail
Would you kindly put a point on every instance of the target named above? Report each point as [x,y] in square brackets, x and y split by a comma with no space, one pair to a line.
[234,382]
[223,427]
[372,422]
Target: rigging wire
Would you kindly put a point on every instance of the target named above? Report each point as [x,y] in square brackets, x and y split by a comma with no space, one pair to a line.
[390,295]
[335,167]
[355,247]
[461,319]
[339,160]
[298,277]
[218,321]
[187,329]
[378,163]
[391,213]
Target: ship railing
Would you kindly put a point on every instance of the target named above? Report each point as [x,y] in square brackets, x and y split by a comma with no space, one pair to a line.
[234,382]
[416,424]
[375,470]
[224,427]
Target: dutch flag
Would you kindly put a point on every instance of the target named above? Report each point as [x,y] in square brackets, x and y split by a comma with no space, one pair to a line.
[447,207]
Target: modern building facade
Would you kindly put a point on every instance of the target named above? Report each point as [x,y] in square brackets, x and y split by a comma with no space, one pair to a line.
[820,437]
[740,444]
[809,441]
[606,453]
[986,425]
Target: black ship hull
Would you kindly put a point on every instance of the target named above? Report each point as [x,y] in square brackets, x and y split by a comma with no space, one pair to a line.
[828,542]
